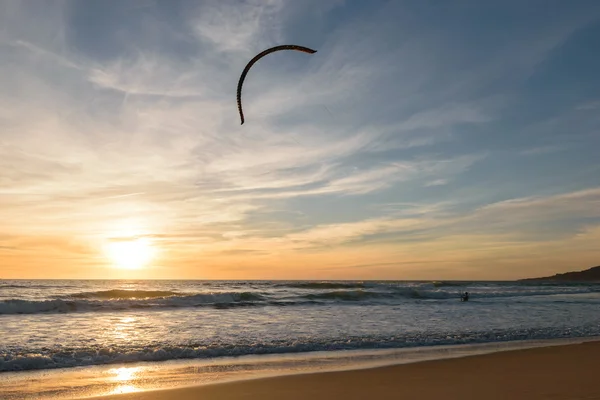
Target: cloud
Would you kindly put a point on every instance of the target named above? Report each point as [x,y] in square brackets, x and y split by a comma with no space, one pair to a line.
[148,74]
[128,128]
[239,26]
[593,105]
[517,221]
[45,54]
[531,210]
[541,150]
[437,182]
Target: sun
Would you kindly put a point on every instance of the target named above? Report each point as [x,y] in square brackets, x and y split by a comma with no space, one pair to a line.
[130,254]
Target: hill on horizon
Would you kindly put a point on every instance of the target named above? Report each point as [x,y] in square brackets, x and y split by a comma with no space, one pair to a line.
[588,275]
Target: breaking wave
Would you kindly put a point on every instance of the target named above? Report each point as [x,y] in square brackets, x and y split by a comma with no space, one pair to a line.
[347,295]
[13,286]
[119,299]
[17,306]
[60,357]
[324,285]
[124,294]
[449,284]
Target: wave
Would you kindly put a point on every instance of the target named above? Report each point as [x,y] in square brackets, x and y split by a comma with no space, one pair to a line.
[437,294]
[8,286]
[124,294]
[219,300]
[347,295]
[61,357]
[119,300]
[449,284]
[398,293]
[17,286]
[324,285]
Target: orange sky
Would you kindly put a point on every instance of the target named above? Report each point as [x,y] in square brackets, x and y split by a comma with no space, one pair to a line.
[436,155]
[318,255]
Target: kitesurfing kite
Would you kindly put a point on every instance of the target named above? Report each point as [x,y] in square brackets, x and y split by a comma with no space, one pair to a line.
[255,59]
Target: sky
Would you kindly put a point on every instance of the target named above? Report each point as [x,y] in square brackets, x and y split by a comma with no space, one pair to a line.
[423,140]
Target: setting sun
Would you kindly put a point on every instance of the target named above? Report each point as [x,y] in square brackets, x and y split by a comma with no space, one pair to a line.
[130,254]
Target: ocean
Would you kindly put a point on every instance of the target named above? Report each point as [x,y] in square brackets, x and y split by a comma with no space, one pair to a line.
[75,325]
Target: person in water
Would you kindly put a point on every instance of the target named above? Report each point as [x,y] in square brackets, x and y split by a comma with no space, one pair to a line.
[465,296]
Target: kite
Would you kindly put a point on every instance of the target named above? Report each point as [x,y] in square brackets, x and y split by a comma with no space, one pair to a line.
[255,59]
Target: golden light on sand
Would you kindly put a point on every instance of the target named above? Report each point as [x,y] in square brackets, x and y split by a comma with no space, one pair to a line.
[130,254]
[125,377]
[124,373]
[122,389]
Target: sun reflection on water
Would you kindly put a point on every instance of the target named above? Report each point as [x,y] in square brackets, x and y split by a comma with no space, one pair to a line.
[124,376]
[124,373]
[124,329]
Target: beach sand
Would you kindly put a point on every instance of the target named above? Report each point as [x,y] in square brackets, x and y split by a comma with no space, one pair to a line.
[558,372]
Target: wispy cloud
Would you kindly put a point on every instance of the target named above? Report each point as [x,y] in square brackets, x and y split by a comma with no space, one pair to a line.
[593,105]
[541,150]
[239,26]
[128,128]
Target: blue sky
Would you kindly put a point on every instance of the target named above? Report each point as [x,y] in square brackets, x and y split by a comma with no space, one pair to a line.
[423,140]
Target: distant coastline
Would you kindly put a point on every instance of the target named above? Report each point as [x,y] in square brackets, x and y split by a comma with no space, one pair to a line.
[588,275]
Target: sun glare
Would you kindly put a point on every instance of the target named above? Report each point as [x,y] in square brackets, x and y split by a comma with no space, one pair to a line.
[130,254]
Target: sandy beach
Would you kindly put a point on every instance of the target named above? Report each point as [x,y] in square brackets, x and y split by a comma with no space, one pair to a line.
[558,372]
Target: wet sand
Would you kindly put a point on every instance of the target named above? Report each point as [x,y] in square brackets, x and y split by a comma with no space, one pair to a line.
[557,372]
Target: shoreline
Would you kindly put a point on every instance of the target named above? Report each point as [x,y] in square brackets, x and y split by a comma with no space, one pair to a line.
[147,377]
[564,371]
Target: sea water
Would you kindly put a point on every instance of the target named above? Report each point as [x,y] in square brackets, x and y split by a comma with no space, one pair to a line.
[51,324]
